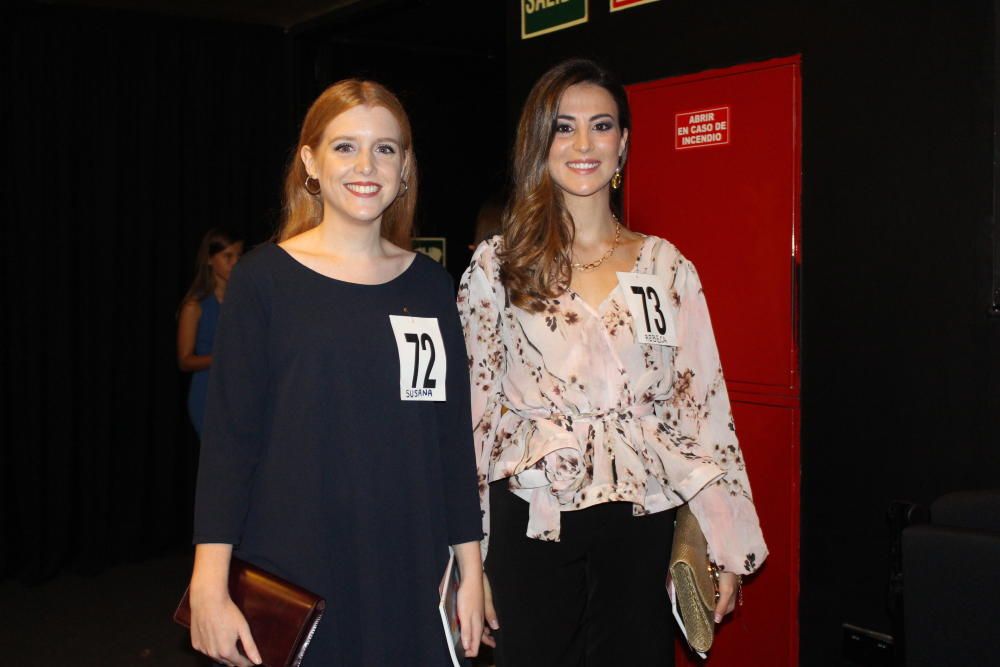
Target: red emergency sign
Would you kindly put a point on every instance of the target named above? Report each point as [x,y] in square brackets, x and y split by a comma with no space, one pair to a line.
[626,4]
[707,127]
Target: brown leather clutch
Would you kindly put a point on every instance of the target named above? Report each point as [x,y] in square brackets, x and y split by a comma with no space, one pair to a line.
[282,616]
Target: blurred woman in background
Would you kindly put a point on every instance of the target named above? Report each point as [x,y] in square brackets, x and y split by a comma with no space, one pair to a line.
[199,311]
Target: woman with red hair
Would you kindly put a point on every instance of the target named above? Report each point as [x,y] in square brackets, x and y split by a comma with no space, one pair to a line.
[337,450]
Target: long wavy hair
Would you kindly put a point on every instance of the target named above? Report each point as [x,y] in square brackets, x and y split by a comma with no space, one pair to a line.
[302,210]
[214,242]
[537,228]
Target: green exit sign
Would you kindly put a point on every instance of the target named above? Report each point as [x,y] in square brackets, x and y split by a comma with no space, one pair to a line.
[543,16]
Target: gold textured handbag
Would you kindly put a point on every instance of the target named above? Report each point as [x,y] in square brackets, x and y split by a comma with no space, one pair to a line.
[695,580]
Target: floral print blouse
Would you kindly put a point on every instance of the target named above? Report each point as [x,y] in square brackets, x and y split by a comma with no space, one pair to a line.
[573,412]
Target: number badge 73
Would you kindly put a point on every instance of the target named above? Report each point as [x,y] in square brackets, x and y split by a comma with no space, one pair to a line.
[647,297]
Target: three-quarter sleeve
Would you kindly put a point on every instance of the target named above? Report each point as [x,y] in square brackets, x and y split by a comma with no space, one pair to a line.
[457,452]
[724,508]
[236,410]
[479,307]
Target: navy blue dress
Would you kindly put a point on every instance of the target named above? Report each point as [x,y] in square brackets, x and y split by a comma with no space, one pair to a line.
[203,341]
[317,471]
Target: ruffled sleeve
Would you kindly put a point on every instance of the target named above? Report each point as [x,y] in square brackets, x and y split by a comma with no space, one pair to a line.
[480,298]
[724,508]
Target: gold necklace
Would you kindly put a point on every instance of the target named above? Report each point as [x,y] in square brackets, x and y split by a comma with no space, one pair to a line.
[590,266]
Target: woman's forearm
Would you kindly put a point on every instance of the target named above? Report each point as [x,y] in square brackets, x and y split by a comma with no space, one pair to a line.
[469,561]
[194,362]
[210,578]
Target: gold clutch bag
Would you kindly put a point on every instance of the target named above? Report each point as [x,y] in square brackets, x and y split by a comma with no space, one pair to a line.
[695,581]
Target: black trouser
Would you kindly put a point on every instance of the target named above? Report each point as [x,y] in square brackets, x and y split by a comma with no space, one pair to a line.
[596,598]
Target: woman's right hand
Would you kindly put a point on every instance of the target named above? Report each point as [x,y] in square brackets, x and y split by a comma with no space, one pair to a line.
[491,614]
[216,624]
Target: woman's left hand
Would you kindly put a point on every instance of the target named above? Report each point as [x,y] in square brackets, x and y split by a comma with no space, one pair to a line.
[729,585]
[470,596]
[470,613]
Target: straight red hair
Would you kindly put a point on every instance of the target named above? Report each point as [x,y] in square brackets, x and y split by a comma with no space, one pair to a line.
[303,210]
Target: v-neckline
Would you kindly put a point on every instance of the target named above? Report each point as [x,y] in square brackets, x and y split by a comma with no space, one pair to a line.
[596,310]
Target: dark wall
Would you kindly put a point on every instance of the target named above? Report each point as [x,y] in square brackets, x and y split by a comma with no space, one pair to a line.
[125,138]
[901,365]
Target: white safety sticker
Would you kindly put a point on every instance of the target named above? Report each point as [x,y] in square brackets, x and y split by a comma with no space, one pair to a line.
[647,297]
[423,364]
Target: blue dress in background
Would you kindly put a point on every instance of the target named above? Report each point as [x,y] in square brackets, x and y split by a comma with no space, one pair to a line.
[202,346]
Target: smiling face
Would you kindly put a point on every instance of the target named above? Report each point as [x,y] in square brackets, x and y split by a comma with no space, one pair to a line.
[588,140]
[359,162]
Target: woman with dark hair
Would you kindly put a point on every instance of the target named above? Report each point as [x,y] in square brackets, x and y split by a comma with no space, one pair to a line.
[337,451]
[217,255]
[598,400]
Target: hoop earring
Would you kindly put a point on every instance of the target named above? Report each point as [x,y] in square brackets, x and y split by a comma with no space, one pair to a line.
[616,180]
[310,190]
[402,192]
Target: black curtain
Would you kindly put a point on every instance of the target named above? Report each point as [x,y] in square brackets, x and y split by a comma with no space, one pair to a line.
[125,138]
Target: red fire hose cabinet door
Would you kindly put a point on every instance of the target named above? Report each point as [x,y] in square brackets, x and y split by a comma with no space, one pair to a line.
[714,167]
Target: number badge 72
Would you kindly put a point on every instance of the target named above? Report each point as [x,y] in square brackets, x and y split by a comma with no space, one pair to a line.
[423,364]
